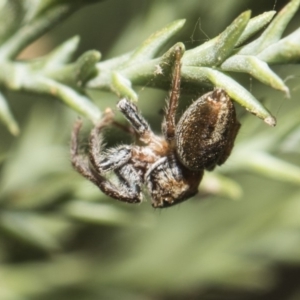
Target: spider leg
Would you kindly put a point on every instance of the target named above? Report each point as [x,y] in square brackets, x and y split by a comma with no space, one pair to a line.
[139,124]
[126,191]
[173,165]
[79,162]
[117,160]
[169,122]
[130,180]
[82,165]
[111,160]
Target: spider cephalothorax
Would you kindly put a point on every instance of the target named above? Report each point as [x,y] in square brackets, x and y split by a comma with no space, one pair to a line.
[170,167]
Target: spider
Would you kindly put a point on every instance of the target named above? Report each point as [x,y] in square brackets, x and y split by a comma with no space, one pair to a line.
[169,167]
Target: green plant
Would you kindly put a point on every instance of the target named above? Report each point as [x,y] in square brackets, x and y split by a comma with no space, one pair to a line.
[62,226]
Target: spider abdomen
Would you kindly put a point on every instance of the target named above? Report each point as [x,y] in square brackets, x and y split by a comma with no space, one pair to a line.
[206,131]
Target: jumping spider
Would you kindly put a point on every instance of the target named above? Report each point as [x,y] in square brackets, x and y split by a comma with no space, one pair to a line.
[170,167]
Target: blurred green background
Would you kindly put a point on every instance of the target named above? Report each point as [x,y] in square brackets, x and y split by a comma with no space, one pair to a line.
[61,238]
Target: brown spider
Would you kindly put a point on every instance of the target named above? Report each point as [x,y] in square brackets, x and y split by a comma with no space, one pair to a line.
[170,167]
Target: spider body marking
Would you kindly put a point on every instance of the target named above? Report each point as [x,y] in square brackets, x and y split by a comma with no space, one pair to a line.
[170,167]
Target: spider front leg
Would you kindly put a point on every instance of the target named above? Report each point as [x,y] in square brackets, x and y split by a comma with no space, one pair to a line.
[137,121]
[95,166]
[116,160]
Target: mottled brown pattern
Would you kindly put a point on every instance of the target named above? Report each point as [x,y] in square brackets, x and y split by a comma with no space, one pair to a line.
[206,131]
